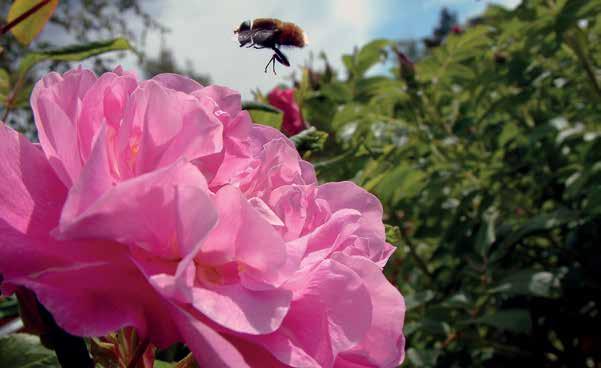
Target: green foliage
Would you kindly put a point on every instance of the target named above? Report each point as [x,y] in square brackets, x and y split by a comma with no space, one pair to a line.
[269,118]
[309,140]
[487,157]
[25,351]
[8,307]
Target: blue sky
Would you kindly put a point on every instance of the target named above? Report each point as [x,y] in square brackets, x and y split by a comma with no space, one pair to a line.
[201,31]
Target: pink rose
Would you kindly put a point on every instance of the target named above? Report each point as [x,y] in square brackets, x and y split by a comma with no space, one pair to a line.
[159,205]
[283,99]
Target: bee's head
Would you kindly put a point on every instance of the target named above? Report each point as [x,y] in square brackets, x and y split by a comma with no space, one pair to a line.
[244,26]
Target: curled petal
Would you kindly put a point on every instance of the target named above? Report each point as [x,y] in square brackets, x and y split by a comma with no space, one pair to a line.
[387,319]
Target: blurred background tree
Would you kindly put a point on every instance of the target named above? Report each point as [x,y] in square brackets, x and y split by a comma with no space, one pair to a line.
[165,62]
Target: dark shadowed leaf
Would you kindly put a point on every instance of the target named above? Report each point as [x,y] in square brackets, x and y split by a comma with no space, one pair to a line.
[25,351]
[528,282]
[423,358]
[515,320]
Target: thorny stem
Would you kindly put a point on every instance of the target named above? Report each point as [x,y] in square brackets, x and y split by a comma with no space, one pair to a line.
[23,16]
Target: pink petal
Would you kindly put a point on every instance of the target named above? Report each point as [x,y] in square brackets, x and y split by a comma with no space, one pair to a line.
[94,181]
[177,82]
[329,237]
[63,273]
[242,235]
[31,197]
[153,136]
[224,99]
[332,303]
[140,211]
[96,298]
[56,102]
[209,347]
[242,310]
[58,137]
[347,195]
[384,343]
[105,100]
[255,355]
[299,209]
[201,135]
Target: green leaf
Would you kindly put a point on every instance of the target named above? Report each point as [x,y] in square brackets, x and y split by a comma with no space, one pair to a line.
[393,234]
[369,55]
[309,140]
[458,300]
[9,307]
[528,282]
[541,223]
[514,320]
[417,299]
[337,92]
[259,106]
[25,351]
[26,30]
[267,118]
[71,53]
[161,364]
[510,131]
[423,358]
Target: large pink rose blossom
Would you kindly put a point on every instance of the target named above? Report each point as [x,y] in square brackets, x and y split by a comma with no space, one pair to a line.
[159,205]
[283,99]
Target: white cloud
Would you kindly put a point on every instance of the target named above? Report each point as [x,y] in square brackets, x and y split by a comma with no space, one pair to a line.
[476,4]
[510,3]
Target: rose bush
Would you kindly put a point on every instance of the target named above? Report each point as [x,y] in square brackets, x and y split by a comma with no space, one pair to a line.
[159,205]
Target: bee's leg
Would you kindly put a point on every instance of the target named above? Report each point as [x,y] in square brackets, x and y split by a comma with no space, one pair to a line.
[250,45]
[280,57]
[272,60]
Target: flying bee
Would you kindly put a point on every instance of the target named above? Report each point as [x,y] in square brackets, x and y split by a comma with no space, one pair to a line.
[271,33]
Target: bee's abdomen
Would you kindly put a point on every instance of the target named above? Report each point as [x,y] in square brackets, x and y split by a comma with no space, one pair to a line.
[291,35]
